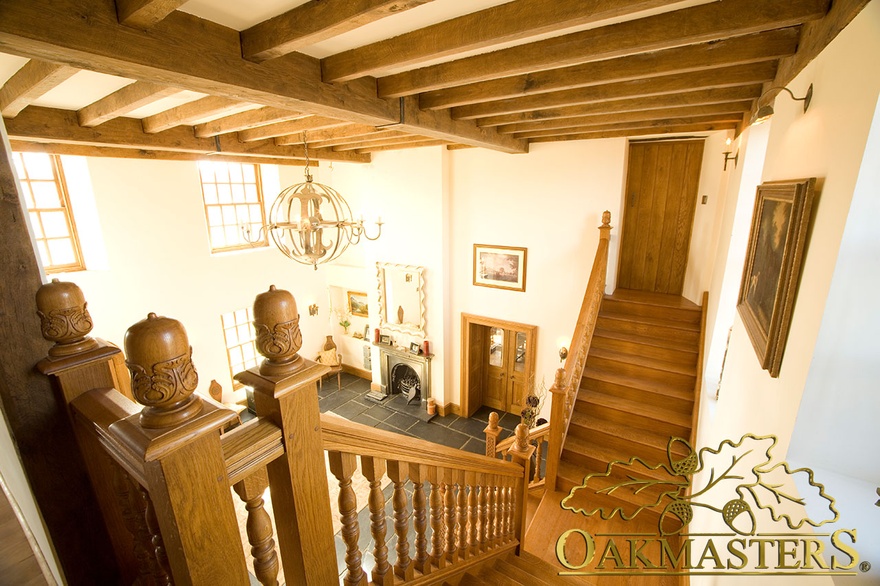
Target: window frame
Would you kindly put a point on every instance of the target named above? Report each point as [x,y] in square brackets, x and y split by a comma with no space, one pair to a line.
[246,363]
[258,181]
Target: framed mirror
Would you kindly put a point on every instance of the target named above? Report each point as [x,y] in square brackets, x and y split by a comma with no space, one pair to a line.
[401,298]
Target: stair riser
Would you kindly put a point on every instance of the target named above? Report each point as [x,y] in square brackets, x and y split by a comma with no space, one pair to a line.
[609,502]
[665,428]
[663,377]
[624,446]
[677,357]
[684,316]
[650,331]
[663,401]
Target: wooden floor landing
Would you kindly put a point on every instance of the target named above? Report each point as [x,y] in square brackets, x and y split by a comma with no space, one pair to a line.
[18,565]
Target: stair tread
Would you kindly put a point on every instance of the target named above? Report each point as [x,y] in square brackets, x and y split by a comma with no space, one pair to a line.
[683,392]
[651,298]
[629,433]
[644,361]
[536,567]
[650,321]
[682,346]
[633,407]
[607,455]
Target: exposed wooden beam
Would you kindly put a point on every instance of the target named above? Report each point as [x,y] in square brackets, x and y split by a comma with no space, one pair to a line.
[123,101]
[692,98]
[60,126]
[288,128]
[315,21]
[441,126]
[720,77]
[130,153]
[390,137]
[738,50]
[641,132]
[145,13]
[244,121]
[193,112]
[500,24]
[661,123]
[87,33]
[410,145]
[733,109]
[706,22]
[30,82]
[321,137]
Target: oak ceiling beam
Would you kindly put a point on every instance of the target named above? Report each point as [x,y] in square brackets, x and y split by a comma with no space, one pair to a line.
[86,33]
[194,112]
[30,82]
[734,118]
[441,126]
[244,120]
[734,109]
[698,24]
[684,128]
[132,153]
[691,98]
[61,126]
[392,137]
[291,127]
[123,101]
[738,50]
[397,147]
[716,78]
[505,23]
[315,21]
[319,138]
[145,13]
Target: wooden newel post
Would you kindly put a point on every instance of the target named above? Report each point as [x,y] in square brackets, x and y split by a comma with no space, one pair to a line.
[557,428]
[492,431]
[177,437]
[286,393]
[521,452]
[605,228]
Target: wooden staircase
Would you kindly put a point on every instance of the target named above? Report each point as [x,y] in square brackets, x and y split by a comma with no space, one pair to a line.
[637,391]
[515,570]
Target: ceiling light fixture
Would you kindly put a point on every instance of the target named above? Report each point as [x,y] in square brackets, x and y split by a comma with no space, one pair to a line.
[766,111]
[312,223]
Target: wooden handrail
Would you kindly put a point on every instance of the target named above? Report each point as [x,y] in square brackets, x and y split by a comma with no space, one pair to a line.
[535,433]
[565,387]
[698,383]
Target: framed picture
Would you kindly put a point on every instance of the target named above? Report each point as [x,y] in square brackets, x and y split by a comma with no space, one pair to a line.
[502,267]
[357,304]
[385,339]
[773,265]
[415,347]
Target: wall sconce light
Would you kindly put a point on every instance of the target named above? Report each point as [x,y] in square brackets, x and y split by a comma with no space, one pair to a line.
[563,354]
[313,309]
[766,111]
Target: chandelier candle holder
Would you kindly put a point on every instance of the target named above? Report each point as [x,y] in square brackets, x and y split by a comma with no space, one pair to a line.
[312,223]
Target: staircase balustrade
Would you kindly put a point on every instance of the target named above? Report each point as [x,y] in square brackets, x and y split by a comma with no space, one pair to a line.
[539,437]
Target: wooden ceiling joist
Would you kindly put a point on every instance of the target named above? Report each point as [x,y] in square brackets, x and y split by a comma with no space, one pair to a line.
[706,22]
[716,78]
[683,129]
[290,127]
[123,101]
[194,112]
[244,121]
[739,50]
[388,139]
[401,146]
[732,118]
[61,126]
[145,13]
[331,135]
[30,82]
[509,22]
[315,21]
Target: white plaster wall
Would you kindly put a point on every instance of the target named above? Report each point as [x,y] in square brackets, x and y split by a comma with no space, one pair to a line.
[549,201]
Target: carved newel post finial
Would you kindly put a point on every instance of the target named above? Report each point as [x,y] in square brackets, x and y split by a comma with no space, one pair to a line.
[606,219]
[493,420]
[276,322]
[64,318]
[558,381]
[163,377]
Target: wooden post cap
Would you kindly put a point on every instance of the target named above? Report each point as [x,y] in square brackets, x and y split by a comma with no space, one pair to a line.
[606,219]
[163,377]
[276,322]
[64,318]
[558,381]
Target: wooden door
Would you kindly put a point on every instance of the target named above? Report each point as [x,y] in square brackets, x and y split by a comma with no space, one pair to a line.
[660,199]
[475,363]
[506,369]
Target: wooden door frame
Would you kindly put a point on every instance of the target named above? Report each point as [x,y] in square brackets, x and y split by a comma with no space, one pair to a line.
[467,320]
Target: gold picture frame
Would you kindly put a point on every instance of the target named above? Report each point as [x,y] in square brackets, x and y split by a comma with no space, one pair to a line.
[501,267]
[357,303]
[774,259]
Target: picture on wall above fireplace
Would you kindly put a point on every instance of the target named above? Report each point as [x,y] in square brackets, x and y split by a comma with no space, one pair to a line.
[501,267]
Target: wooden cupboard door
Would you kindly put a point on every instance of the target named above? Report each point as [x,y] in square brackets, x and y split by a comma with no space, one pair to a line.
[476,358]
[496,369]
[660,199]
[517,384]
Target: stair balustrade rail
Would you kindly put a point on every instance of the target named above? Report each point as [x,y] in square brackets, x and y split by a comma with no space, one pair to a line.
[538,438]
[568,379]
[163,462]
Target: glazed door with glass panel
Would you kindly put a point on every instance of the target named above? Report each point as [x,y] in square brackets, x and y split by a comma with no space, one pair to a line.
[506,370]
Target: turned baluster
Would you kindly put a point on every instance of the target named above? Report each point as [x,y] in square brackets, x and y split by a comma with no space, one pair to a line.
[373,470]
[536,476]
[484,516]
[506,514]
[473,513]
[492,431]
[450,519]
[397,472]
[492,533]
[342,466]
[259,527]
[438,491]
[420,517]
[461,515]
